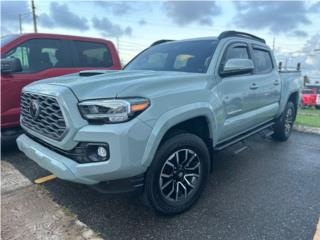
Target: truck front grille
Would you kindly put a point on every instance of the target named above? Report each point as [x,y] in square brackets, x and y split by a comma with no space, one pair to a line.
[43,115]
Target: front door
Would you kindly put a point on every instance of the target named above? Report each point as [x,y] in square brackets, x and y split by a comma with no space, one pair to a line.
[38,58]
[235,93]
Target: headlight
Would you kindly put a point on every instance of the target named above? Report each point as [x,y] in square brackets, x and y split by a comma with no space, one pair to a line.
[112,110]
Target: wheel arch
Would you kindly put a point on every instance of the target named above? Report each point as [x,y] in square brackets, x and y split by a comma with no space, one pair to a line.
[294,98]
[195,118]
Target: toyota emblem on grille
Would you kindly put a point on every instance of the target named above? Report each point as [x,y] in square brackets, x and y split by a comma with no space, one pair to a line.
[34,109]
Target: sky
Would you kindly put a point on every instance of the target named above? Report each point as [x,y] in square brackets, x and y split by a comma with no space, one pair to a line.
[290,27]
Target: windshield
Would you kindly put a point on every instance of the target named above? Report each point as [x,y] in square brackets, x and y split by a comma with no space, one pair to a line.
[187,56]
[8,38]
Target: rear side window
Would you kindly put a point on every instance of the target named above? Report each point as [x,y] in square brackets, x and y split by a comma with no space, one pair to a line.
[40,54]
[92,54]
[263,61]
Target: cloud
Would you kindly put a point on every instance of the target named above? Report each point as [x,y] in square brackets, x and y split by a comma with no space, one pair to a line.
[309,59]
[185,12]
[300,34]
[5,31]
[46,20]
[60,16]
[313,43]
[118,8]
[315,8]
[110,29]
[276,16]
[10,11]
[142,22]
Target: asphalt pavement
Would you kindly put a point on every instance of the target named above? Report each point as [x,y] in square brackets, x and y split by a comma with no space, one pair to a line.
[269,191]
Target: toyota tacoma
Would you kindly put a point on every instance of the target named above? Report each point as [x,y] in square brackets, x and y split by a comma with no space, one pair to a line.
[153,127]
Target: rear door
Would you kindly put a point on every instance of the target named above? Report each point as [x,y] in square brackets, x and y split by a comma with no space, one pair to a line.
[265,91]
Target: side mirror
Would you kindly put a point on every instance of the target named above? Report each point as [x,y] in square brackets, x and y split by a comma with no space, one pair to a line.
[10,65]
[237,66]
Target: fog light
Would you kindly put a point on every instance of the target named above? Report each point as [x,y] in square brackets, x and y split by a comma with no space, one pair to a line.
[97,152]
[102,152]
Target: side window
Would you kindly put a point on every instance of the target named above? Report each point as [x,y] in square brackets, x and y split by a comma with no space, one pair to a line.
[263,61]
[92,54]
[236,51]
[22,53]
[40,54]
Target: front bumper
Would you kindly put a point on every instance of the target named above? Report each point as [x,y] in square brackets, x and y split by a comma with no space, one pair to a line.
[55,163]
[127,145]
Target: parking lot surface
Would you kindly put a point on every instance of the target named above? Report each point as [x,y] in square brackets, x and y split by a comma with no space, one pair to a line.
[269,191]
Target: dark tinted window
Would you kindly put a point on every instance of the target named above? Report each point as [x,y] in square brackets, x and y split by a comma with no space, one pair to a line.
[263,61]
[92,54]
[189,56]
[40,54]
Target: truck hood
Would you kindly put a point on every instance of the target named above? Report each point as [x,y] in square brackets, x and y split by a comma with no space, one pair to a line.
[110,84]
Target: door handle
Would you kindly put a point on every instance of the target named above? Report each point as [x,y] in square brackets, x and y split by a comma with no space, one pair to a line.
[253,86]
[276,82]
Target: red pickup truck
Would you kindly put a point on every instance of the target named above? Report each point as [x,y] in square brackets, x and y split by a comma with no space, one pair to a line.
[30,57]
[308,97]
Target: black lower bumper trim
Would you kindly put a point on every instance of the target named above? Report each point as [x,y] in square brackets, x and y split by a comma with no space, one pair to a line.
[132,185]
[9,135]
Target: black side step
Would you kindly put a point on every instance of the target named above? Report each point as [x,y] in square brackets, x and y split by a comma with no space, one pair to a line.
[241,137]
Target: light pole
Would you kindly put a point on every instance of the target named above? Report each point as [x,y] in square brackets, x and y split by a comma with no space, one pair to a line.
[34,17]
[20,23]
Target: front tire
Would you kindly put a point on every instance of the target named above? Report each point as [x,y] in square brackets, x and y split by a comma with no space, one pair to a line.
[178,174]
[283,126]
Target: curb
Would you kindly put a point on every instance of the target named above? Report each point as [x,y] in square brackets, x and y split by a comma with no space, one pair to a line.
[305,129]
[87,233]
[30,209]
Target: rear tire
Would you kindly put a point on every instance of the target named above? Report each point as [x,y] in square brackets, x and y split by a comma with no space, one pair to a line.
[177,175]
[283,126]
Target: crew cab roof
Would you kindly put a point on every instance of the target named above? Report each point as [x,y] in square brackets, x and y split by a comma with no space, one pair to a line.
[223,35]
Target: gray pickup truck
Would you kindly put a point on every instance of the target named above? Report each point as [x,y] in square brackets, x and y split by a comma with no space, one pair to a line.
[154,126]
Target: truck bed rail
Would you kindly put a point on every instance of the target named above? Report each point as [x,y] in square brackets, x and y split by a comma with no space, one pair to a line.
[289,69]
